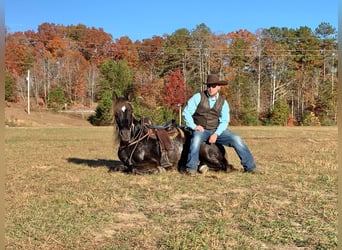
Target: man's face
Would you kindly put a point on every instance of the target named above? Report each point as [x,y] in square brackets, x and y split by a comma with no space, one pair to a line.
[213,89]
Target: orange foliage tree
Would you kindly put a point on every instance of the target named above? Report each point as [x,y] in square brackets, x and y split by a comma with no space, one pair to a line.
[175,92]
[123,48]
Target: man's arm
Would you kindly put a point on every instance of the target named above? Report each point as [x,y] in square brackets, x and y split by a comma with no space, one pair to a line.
[190,109]
[223,119]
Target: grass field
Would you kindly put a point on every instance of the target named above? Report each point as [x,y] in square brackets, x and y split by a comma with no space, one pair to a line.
[60,194]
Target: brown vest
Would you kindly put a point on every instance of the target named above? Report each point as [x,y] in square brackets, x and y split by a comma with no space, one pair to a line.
[206,117]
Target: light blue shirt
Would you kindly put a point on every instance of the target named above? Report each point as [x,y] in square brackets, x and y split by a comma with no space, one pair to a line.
[191,107]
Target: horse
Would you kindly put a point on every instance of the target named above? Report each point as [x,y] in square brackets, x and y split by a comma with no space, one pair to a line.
[140,146]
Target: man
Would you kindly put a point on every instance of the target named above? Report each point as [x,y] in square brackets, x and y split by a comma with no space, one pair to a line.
[207,114]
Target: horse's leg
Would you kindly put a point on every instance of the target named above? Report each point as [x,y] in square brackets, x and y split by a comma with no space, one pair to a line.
[225,164]
[146,158]
[147,167]
[221,148]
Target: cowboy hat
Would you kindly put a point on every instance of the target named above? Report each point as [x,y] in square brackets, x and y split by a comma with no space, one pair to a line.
[214,79]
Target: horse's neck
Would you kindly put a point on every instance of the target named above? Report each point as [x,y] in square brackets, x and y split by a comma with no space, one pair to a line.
[137,126]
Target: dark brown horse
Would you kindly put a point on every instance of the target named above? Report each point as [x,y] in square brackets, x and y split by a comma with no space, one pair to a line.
[140,147]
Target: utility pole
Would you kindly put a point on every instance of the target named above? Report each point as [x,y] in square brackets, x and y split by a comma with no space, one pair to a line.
[180,113]
[332,73]
[28,91]
[259,85]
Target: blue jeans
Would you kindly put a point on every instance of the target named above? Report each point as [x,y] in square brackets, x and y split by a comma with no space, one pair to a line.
[227,138]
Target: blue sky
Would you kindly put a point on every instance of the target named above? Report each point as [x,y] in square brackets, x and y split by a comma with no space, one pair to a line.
[140,19]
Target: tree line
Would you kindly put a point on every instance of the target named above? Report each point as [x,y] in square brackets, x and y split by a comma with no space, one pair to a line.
[277,76]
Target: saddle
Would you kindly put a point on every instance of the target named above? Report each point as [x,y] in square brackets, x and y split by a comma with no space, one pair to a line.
[164,134]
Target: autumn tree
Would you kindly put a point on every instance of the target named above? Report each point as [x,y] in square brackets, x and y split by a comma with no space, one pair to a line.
[150,52]
[219,54]
[18,54]
[148,102]
[124,49]
[298,66]
[175,94]
[49,31]
[94,44]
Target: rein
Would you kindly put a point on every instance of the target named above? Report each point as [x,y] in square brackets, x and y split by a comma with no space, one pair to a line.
[139,139]
[136,140]
[139,136]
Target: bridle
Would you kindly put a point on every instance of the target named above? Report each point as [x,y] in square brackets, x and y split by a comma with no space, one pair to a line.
[143,133]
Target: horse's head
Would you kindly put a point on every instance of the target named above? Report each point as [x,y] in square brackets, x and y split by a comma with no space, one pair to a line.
[123,115]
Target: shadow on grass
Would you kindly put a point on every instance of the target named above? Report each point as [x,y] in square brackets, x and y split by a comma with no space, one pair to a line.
[111,165]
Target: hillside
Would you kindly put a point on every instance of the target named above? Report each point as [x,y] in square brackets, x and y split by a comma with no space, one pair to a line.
[16,116]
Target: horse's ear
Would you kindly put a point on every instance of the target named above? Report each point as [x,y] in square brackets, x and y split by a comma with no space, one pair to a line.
[130,96]
[114,97]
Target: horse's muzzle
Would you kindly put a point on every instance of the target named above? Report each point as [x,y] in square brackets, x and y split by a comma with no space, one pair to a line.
[125,135]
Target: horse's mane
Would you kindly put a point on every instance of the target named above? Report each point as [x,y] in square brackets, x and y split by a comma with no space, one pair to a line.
[116,138]
[118,103]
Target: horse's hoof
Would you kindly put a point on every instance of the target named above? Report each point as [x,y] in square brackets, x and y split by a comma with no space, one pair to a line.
[203,169]
[230,169]
[161,170]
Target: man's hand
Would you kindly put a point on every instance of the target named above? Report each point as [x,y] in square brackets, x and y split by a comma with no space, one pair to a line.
[199,128]
[212,138]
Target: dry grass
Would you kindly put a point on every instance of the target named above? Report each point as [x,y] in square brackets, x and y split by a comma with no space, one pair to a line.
[60,194]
